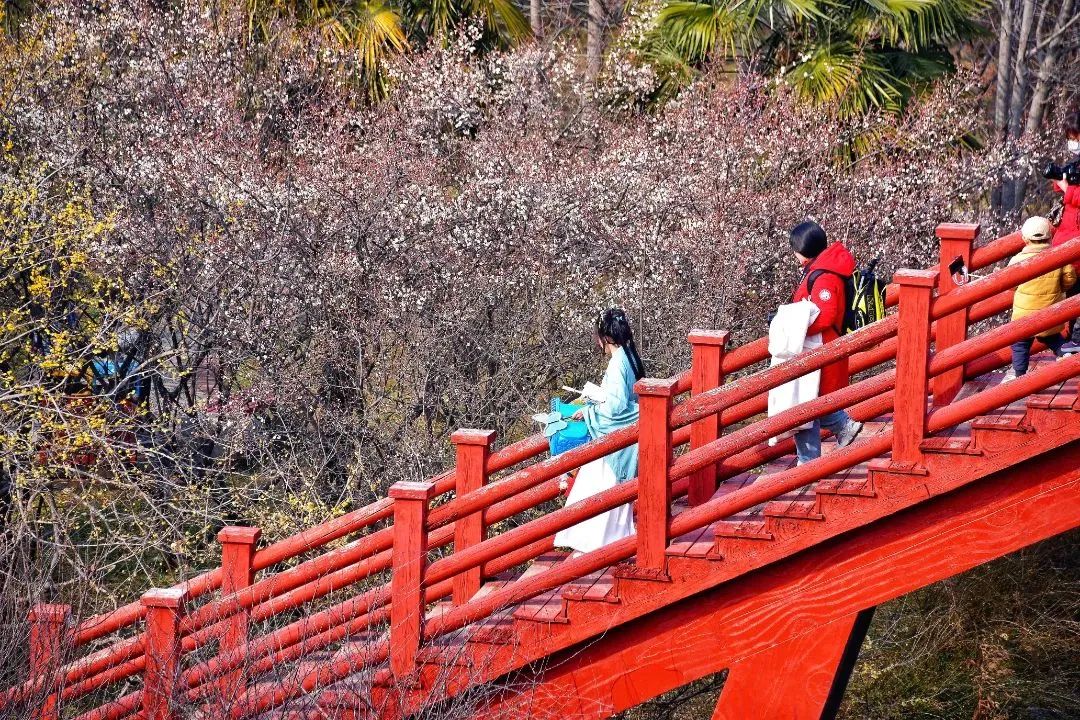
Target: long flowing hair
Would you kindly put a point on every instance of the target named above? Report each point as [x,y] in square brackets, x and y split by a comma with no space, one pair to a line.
[615,325]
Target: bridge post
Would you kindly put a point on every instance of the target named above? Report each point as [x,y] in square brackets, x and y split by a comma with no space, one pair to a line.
[654,475]
[706,373]
[48,636]
[164,610]
[411,501]
[912,364]
[956,242]
[799,678]
[473,449]
[237,572]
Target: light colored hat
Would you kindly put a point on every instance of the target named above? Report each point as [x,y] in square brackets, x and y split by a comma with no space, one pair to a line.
[1037,230]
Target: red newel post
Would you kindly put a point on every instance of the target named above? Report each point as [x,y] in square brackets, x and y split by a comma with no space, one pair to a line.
[654,474]
[912,360]
[706,373]
[411,501]
[237,572]
[473,449]
[956,241]
[48,635]
[164,609]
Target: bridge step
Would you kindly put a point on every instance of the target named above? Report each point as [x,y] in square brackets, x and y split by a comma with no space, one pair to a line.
[547,607]
[747,525]
[854,482]
[697,544]
[1058,397]
[600,586]
[840,496]
[801,504]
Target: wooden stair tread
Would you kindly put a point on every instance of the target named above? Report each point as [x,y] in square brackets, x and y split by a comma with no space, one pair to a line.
[1066,397]
[681,545]
[545,607]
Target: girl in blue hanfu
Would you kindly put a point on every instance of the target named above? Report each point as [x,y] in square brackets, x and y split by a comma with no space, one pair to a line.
[619,408]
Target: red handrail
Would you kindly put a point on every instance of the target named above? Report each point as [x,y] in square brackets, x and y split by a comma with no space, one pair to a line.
[259,700]
[329,571]
[444,570]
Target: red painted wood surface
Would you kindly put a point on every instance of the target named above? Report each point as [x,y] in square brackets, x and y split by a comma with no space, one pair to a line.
[719,628]
[49,636]
[473,448]
[164,607]
[525,488]
[110,659]
[238,545]
[912,366]
[956,241]
[706,371]
[906,494]
[411,500]
[654,467]
[581,566]
[788,680]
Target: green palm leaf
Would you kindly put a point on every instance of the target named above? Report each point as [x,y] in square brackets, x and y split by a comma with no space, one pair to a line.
[862,55]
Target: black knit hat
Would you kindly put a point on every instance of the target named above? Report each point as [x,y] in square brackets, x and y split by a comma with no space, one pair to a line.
[808,239]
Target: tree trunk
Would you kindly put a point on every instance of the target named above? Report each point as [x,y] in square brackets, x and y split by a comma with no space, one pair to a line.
[1018,96]
[1048,68]
[534,18]
[595,45]
[1004,71]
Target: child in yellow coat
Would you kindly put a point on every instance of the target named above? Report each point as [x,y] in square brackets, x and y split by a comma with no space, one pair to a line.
[1038,293]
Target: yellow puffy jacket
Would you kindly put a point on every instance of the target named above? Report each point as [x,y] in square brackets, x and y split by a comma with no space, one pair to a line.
[1043,291]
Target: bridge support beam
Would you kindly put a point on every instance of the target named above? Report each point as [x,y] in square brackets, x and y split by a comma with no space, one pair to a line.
[720,628]
[801,679]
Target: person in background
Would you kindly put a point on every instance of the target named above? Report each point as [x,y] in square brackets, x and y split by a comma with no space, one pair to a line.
[1069,227]
[824,269]
[1038,293]
[618,409]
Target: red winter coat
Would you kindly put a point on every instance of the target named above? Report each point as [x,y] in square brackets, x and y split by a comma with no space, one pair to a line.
[829,297]
[1069,227]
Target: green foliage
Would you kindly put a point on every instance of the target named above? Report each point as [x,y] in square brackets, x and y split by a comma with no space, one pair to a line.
[860,54]
[379,30]
[504,24]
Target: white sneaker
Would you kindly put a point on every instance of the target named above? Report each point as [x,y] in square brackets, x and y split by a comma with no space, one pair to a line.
[1010,374]
[849,433]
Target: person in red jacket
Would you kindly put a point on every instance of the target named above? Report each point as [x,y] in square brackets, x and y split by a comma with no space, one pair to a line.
[1069,227]
[824,268]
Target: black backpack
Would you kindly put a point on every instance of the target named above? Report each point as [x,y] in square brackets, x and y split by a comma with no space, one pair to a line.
[864,296]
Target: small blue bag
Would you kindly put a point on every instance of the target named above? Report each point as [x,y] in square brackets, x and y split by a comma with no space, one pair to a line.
[575,434]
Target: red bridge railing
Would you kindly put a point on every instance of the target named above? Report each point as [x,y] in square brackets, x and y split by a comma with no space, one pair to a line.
[172,633]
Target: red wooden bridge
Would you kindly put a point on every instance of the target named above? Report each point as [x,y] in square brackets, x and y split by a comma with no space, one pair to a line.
[742,561]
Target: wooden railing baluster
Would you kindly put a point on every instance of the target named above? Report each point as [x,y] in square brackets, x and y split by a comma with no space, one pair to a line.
[237,572]
[912,374]
[411,503]
[164,610]
[654,475]
[956,242]
[706,373]
[473,448]
[49,635]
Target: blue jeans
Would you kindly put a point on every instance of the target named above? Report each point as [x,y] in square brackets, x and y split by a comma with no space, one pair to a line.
[1021,351]
[808,442]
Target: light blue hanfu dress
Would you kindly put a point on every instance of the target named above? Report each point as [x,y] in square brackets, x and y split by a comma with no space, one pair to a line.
[619,409]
